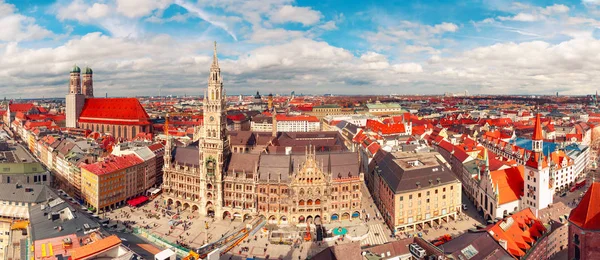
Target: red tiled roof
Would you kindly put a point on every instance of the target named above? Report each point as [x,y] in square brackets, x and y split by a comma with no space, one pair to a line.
[578,137]
[20,107]
[112,164]
[385,129]
[525,227]
[537,131]
[587,214]
[117,111]
[509,182]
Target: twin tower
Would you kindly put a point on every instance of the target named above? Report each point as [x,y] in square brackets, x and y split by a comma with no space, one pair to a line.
[76,87]
[78,92]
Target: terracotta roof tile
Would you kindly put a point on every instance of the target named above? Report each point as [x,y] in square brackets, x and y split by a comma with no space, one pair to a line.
[117,111]
[587,214]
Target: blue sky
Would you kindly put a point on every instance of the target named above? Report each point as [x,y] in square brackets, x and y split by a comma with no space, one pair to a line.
[137,47]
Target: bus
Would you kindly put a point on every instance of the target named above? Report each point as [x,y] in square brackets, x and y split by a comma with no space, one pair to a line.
[578,184]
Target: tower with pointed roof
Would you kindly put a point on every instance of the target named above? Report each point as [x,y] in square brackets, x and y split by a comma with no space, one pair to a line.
[214,145]
[74,99]
[539,185]
[537,139]
[87,88]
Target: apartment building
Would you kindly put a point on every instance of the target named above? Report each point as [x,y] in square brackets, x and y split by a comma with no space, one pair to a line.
[112,181]
[414,189]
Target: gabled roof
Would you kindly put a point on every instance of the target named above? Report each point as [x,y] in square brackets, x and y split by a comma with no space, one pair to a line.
[21,107]
[587,214]
[116,111]
[509,182]
[519,231]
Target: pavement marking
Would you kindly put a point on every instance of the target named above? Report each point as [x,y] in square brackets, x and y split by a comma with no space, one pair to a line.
[375,240]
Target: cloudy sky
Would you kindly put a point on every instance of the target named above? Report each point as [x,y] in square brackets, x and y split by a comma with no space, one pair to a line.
[138,47]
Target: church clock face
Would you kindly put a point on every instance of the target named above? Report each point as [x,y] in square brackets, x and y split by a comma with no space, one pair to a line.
[212,118]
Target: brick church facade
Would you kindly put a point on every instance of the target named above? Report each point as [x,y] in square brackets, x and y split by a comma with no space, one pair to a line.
[120,117]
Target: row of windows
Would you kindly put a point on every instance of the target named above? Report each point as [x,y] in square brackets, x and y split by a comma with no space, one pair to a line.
[428,193]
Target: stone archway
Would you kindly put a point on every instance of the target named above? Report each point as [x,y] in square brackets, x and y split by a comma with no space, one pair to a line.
[186,206]
[309,202]
[227,215]
[272,219]
[177,204]
[210,211]
[356,214]
[170,202]
[301,219]
[194,208]
[237,216]
[335,217]
[283,220]
[346,216]
[209,195]
[247,216]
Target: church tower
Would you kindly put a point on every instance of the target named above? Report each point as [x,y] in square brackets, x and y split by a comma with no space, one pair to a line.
[538,185]
[74,100]
[87,88]
[214,145]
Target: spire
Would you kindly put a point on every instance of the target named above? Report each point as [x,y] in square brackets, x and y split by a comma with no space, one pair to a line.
[215,62]
[537,131]
[487,161]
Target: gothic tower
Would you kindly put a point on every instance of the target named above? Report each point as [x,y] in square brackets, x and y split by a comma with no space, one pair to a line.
[74,100]
[75,82]
[87,88]
[214,145]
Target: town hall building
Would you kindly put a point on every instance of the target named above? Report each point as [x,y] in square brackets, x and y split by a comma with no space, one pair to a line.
[287,178]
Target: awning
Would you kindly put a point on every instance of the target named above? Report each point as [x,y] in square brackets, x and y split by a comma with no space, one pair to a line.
[137,201]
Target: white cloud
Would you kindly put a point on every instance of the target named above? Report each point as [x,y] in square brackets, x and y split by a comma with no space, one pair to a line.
[98,10]
[408,68]
[329,26]
[555,9]
[277,35]
[443,27]
[304,15]
[139,8]
[17,27]
[533,13]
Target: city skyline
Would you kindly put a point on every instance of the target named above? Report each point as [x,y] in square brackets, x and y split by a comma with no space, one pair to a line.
[137,47]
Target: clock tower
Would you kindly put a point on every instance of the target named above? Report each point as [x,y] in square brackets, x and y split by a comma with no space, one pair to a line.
[214,145]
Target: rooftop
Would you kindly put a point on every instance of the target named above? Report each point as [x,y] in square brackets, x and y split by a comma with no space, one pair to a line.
[112,163]
[406,171]
[587,214]
[29,193]
[116,111]
[62,215]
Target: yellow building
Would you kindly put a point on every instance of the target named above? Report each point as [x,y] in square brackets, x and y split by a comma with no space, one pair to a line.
[414,189]
[111,182]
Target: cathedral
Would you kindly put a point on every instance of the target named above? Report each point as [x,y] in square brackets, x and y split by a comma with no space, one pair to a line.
[287,178]
[122,118]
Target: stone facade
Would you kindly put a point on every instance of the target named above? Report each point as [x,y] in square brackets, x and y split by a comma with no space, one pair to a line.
[284,188]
